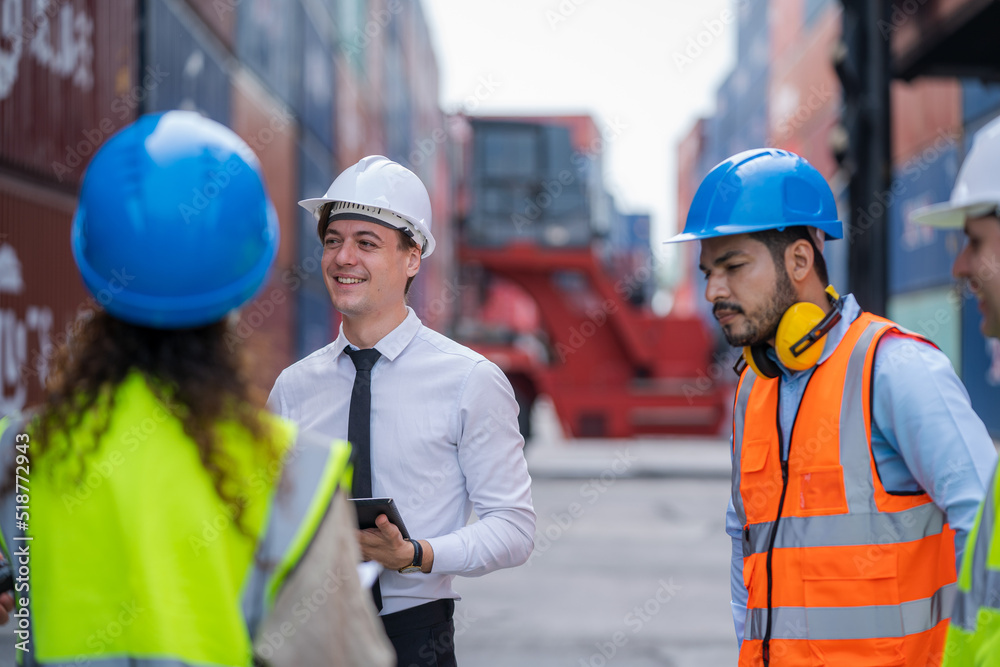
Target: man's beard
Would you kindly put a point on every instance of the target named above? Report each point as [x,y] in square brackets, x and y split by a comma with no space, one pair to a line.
[762,327]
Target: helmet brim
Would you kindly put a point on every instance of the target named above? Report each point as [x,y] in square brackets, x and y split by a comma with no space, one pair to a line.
[947,215]
[832,229]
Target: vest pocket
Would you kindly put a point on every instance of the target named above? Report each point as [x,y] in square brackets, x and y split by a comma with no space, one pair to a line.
[760,483]
[852,607]
[821,491]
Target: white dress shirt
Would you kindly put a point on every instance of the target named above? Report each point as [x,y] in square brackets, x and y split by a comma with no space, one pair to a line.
[444,441]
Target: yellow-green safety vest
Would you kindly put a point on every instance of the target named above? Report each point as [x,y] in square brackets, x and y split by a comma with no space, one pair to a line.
[137,561]
[974,634]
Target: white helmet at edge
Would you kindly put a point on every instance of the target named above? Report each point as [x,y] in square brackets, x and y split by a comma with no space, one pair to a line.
[378,190]
[977,188]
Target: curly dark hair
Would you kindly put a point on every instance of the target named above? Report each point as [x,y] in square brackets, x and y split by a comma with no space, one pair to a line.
[199,379]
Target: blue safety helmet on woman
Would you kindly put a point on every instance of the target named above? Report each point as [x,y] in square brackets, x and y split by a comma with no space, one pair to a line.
[174,227]
[764,188]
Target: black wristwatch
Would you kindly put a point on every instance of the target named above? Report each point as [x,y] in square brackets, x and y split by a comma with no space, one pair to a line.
[418,558]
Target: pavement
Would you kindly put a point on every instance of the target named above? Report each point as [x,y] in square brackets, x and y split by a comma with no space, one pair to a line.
[631,560]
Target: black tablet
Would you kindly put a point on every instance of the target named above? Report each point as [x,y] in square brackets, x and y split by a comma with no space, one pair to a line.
[368,510]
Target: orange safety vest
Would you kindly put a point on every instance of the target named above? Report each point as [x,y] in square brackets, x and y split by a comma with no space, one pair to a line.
[839,571]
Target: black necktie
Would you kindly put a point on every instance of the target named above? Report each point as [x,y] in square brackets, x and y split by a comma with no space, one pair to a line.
[359,431]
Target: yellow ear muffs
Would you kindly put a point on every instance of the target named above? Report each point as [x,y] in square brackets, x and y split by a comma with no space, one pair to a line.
[800,339]
[797,323]
[756,358]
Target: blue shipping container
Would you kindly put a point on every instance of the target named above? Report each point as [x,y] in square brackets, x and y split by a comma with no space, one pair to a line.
[981,367]
[179,44]
[920,256]
[314,312]
[979,99]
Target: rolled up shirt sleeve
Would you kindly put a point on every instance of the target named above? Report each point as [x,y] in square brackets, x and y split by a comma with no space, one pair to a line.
[925,434]
[490,453]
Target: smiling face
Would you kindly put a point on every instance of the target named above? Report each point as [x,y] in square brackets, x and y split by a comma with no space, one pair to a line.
[748,292]
[977,264]
[365,270]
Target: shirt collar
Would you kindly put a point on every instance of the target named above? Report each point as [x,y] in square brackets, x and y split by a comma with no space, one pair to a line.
[392,343]
[850,312]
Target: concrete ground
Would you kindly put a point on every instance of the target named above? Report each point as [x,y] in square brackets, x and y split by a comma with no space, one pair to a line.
[631,561]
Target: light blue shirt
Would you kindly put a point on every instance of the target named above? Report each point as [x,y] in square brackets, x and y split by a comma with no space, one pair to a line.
[444,442]
[925,435]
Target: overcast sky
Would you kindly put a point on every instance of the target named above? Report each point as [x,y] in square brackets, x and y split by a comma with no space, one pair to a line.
[627,62]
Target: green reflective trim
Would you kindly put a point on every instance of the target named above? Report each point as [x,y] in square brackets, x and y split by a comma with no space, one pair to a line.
[121,661]
[862,622]
[332,476]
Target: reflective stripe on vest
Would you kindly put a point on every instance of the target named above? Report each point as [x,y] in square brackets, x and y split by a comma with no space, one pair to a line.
[981,587]
[846,560]
[864,622]
[311,473]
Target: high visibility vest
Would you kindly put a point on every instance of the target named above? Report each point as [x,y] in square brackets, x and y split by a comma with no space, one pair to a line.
[135,559]
[974,634]
[838,570]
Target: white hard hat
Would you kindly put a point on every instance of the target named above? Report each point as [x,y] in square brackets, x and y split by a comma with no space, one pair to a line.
[378,190]
[977,188]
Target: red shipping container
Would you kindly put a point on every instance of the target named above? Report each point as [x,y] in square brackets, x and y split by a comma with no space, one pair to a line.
[68,82]
[40,291]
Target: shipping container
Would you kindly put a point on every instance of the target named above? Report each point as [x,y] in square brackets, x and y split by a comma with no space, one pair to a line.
[268,126]
[315,99]
[935,313]
[315,317]
[979,99]
[41,293]
[220,17]
[980,366]
[924,112]
[68,82]
[267,37]
[190,59]
[921,256]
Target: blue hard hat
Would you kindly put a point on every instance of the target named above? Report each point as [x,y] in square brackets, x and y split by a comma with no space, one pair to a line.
[764,188]
[174,227]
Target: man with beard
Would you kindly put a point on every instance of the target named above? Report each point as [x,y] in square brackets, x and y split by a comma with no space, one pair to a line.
[858,462]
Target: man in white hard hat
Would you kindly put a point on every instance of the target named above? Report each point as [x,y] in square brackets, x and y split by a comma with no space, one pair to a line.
[974,634]
[434,424]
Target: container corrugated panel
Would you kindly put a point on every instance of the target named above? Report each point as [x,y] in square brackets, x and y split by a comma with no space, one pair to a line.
[40,290]
[68,82]
[220,16]
[921,256]
[314,318]
[805,91]
[526,187]
[180,44]
[980,367]
[267,39]
[924,112]
[936,313]
[315,101]
[979,99]
[270,130]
